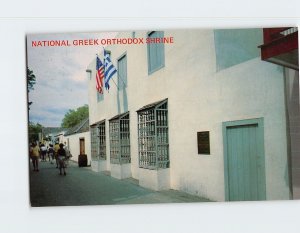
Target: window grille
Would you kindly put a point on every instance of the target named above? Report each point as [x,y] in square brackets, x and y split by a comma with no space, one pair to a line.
[119,133]
[94,142]
[153,136]
[102,141]
[98,141]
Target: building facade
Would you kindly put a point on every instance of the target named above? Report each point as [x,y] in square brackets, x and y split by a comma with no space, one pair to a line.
[202,115]
[280,46]
[78,141]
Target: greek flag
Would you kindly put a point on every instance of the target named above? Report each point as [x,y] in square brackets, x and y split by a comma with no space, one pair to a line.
[109,68]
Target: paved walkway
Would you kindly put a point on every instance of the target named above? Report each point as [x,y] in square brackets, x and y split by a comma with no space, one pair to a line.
[82,186]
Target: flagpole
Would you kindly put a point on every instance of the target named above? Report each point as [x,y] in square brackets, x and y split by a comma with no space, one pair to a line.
[115,83]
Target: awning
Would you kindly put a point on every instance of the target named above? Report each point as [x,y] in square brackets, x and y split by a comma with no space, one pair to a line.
[119,116]
[153,105]
[281,47]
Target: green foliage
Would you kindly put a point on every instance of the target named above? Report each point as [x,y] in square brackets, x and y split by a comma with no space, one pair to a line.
[73,117]
[30,80]
[30,83]
[33,131]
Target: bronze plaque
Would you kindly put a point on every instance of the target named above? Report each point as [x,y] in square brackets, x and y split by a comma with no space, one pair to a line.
[203,142]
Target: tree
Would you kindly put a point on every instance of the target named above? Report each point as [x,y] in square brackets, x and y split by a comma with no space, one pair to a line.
[30,83]
[34,131]
[73,117]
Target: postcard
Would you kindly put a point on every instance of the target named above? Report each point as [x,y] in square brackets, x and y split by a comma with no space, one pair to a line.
[169,116]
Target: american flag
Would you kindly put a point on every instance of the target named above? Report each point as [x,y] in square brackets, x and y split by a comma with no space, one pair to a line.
[99,75]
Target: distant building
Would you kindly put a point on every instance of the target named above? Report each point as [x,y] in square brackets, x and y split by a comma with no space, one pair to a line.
[59,137]
[52,134]
[204,115]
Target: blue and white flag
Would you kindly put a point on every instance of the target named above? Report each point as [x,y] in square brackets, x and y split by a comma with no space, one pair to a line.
[109,69]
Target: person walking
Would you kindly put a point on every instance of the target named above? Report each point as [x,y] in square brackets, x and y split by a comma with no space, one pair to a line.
[56,148]
[35,157]
[43,152]
[61,155]
[68,154]
[51,153]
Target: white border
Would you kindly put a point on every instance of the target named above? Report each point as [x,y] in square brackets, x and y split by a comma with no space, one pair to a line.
[17,216]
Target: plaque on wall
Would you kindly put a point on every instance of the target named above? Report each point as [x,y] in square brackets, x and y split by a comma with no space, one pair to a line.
[203,142]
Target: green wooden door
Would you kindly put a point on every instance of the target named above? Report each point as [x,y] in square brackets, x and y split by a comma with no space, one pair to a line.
[244,160]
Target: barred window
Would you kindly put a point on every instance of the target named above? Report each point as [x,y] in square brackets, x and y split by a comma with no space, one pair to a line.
[98,141]
[102,141]
[94,142]
[153,136]
[119,133]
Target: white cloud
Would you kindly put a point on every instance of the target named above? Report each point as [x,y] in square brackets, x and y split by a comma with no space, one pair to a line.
[60,75]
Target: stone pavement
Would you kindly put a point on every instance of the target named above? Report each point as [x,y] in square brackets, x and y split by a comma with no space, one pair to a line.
[82,186]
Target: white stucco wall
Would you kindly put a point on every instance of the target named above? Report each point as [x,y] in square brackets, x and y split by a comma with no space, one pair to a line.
[200,99]
[74,145]
[236,93]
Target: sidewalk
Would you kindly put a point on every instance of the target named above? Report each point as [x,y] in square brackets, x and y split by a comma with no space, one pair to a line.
[82,186]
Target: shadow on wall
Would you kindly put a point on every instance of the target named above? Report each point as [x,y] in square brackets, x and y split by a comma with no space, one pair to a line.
[124,101]
[236,46]
[293,118]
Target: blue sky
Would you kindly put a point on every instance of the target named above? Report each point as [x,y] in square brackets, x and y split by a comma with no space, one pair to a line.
[61,82]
